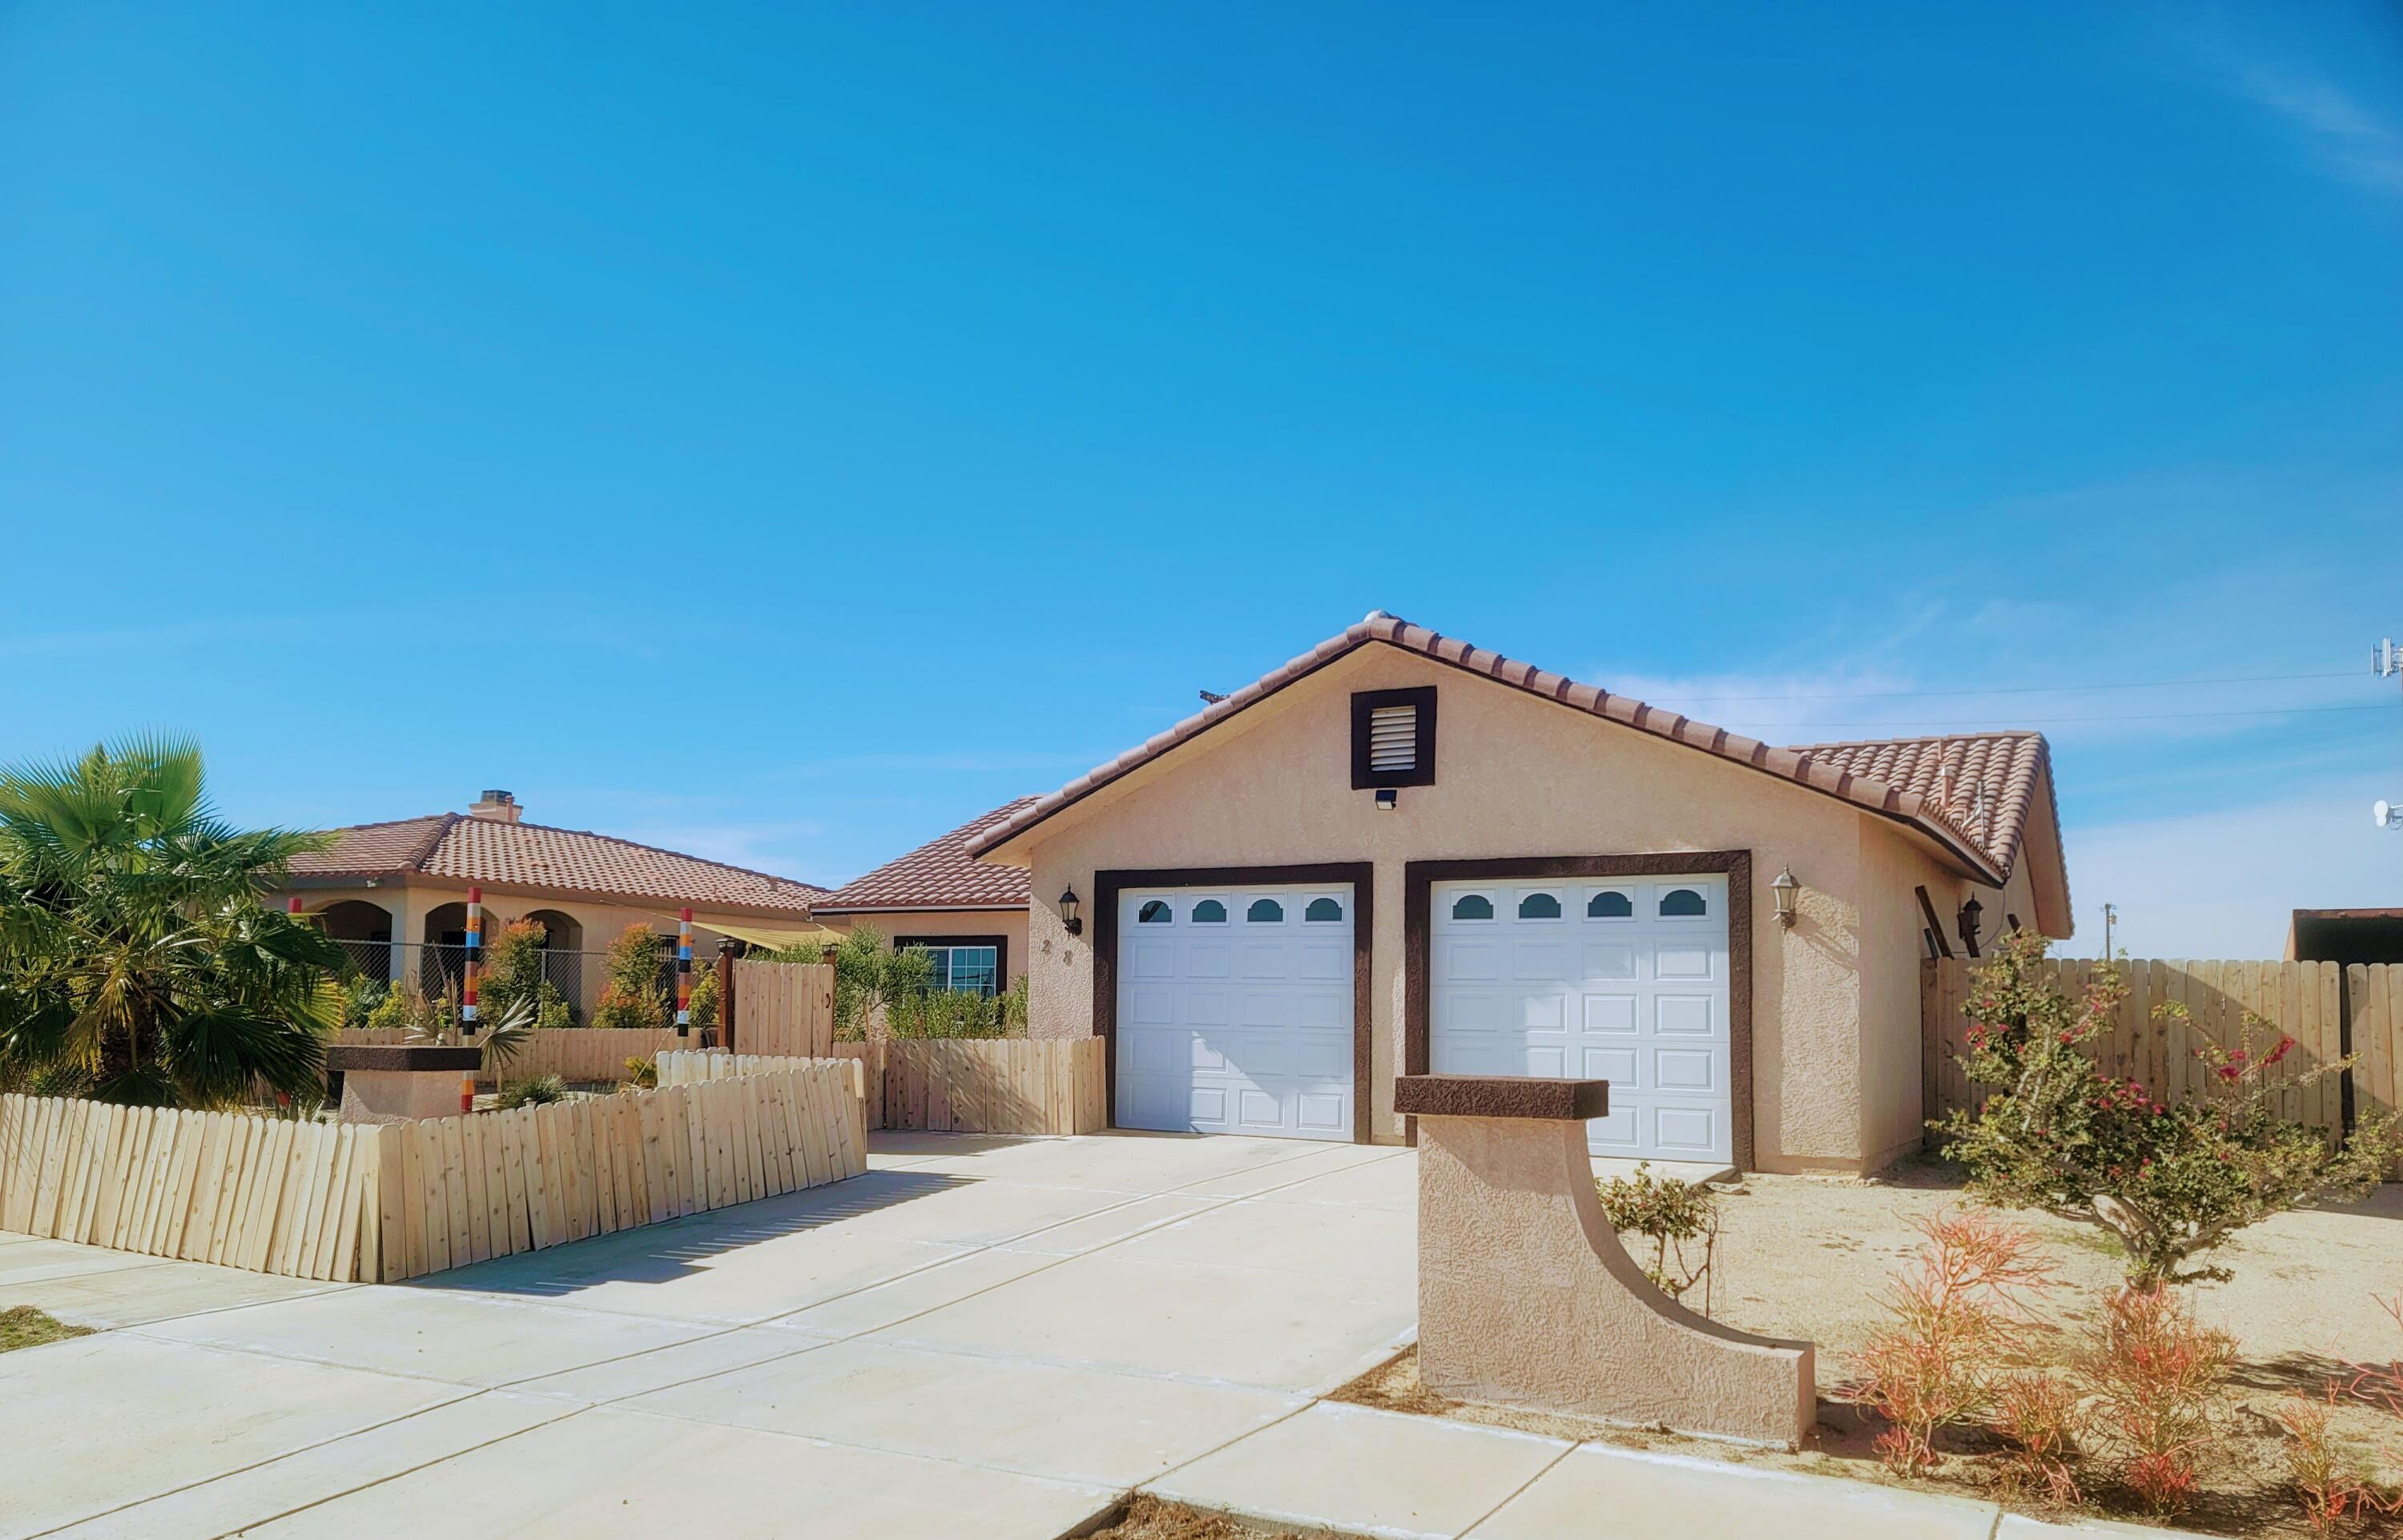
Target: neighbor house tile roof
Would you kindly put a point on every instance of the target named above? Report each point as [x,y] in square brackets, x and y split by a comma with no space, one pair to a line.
[462,850]
[940,874]
[1947,814]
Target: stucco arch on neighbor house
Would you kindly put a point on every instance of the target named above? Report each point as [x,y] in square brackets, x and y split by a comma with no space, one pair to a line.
[560,931]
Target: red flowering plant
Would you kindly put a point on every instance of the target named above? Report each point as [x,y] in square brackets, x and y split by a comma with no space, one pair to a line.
[2168,1179]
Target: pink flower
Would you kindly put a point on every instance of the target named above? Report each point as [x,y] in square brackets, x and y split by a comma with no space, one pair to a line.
[2285,1045]
[2230,1072]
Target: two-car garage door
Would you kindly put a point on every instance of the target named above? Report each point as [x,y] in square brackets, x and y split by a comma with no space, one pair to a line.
[1234,1005]
[1234,1010]
[1624,981]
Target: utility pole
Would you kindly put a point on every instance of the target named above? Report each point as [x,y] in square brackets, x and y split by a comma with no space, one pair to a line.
[2110,913]
[2386,661]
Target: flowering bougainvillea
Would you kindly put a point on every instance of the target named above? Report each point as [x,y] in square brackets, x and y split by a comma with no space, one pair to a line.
[2168,1179]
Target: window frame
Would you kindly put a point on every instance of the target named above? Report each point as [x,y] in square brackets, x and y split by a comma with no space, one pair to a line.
[1000,945]
[1365,704]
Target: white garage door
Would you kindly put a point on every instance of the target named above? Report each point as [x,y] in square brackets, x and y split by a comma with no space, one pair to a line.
[1234,1010]
[1619,981]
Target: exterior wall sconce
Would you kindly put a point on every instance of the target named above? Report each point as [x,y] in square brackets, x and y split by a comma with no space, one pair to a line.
[1069,918]
[1971,913]
[1785,890]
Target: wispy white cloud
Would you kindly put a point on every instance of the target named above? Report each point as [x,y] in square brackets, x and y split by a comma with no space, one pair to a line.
[2224,883]
[770,846]
[2347,139]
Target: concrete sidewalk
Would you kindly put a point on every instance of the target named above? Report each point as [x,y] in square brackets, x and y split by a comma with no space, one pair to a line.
[1360,1471]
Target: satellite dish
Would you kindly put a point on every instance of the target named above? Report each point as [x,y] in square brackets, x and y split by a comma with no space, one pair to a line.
[2384,813]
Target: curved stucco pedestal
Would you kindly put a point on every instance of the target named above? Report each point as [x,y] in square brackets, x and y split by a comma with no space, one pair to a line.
[1526,1298]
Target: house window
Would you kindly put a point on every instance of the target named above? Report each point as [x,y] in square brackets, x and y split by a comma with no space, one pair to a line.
[976,964]
[1154,912]
[1392,737]
[1683,904]
[1539,905]
[1323,909]
[1209,913]
[1472,906]
[1610,904]
[1265,911]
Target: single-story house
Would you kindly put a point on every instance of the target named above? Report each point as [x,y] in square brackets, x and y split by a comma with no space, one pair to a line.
[969,915]
[1400,853]
[395,893]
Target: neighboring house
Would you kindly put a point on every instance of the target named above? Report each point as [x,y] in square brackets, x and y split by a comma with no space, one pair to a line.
[1400,852]
[2345,936]
[969,915]
[396,893]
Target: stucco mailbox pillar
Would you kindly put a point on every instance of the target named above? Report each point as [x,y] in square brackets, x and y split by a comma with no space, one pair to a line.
[1526,1298]
[401,1082]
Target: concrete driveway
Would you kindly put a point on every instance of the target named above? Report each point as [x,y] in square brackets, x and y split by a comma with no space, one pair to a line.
[981,1336]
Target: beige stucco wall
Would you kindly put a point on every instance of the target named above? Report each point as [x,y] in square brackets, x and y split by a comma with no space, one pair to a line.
[602,922]
[895,925]
[1521,776]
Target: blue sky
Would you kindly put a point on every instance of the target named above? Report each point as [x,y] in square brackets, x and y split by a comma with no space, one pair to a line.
[786,432]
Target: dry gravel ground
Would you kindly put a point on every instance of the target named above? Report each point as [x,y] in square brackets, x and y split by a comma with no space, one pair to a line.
[1809,1257]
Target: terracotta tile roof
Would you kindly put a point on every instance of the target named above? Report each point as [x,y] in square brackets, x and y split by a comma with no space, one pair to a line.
[1986,782]
[534,855]
[940,874]
[1839,772]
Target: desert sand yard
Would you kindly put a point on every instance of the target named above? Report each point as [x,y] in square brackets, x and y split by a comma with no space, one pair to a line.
[1809,1257]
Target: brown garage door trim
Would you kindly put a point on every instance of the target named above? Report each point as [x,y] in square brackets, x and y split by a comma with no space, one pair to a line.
[1419,879]
[1108,885]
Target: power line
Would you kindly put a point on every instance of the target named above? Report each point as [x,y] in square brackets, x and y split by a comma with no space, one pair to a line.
[2030,690]
[1991,725]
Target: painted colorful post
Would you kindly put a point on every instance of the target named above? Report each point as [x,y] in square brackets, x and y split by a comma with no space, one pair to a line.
[684,973]
[292,907]
[475,959]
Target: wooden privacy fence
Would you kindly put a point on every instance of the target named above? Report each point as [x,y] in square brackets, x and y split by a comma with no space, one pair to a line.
[387,1202]
[783,1009]
[2322,1006]
[1014,1085]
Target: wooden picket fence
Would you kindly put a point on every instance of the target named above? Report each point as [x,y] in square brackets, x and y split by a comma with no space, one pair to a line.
[368,1202]
[1013,1085]
[2310,1002]
[266,1194]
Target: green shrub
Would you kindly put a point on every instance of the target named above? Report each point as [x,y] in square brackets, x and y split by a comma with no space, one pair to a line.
[535,1091]
[631,996]
[2167,1182]
[512,973]
[404,1008]
[704,997]
[362,997]
[642,1073]
[1671,1214]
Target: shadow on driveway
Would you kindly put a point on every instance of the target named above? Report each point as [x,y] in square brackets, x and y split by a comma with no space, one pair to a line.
[674,1248]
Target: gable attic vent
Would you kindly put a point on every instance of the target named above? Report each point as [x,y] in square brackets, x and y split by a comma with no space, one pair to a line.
[1392,737]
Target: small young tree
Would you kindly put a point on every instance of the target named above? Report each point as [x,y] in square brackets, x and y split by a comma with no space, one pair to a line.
[630,997]
[513,974]
[1671,1214]
[2168,1182]
[870,977]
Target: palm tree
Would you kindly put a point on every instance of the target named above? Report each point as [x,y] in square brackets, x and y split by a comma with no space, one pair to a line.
[138,962]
